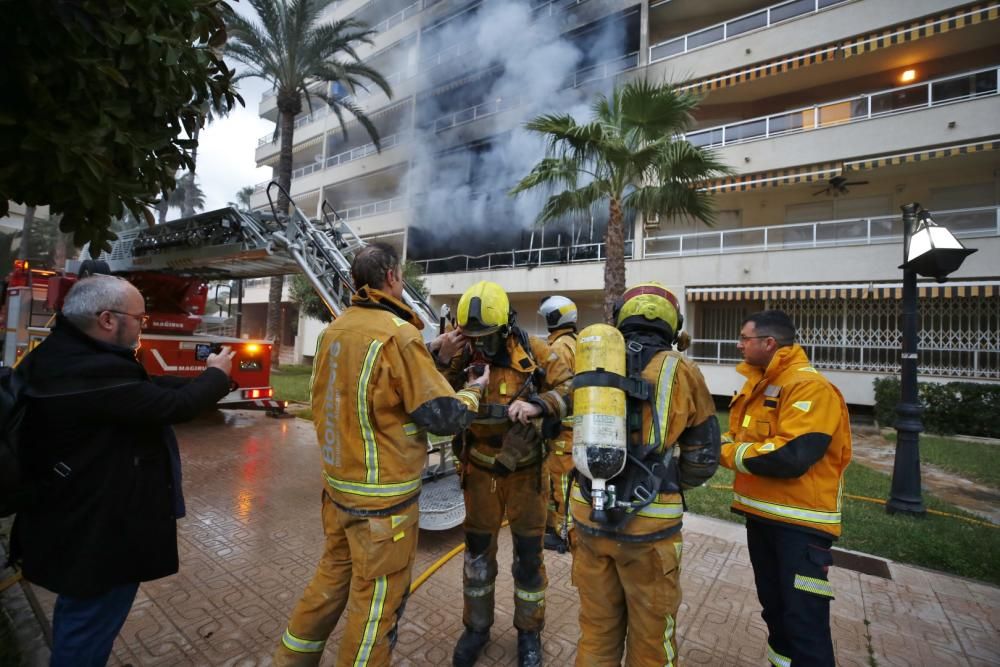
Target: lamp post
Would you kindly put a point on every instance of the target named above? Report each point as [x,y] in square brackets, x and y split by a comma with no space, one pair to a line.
[929,250]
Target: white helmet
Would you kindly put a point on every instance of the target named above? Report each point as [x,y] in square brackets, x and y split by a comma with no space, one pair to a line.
[558,312]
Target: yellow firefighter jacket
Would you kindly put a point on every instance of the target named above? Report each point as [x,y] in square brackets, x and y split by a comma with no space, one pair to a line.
[374,392]
[789,441]
[682,401]
[563,343]
[508,376]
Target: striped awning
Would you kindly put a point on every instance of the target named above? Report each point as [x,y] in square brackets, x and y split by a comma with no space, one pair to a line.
[922,155]
[928,26]
[872,290]
[803,174]
[925,27]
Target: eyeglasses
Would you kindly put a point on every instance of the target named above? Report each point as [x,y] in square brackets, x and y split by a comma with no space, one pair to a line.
[744,339]
[141,318]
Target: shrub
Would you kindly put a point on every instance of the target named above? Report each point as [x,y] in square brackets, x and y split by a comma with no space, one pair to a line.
[966,408]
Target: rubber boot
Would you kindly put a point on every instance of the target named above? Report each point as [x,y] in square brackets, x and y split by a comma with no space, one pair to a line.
[469,646]
[553,542]
[529,649]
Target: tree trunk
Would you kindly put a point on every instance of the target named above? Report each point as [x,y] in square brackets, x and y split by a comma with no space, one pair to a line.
[287,120]
[187,210]
[614,266]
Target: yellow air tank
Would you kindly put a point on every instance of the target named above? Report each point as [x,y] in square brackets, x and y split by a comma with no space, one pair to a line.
[599,428]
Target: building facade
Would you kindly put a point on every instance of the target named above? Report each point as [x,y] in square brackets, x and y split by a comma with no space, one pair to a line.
[832,114]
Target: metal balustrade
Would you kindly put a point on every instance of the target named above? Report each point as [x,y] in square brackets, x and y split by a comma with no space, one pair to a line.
[374,208]
[936,92]
[366,150]
[605,69]
[741,25]
[475,113]
[508,259]
[831,233]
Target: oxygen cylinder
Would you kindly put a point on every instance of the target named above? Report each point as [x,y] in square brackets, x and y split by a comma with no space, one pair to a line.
[599,428]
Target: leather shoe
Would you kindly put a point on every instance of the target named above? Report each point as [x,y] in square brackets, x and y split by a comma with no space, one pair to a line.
[529,649]
[469,646]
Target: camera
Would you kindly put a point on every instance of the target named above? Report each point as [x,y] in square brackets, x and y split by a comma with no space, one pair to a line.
[203,350]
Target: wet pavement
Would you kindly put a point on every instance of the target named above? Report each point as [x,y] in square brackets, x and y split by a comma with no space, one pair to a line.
[252,538]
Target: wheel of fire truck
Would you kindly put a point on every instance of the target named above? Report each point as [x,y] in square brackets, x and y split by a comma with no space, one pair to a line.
[89,267]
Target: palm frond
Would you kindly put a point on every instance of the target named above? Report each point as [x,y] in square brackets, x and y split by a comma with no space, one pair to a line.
[579,200]
[552,172]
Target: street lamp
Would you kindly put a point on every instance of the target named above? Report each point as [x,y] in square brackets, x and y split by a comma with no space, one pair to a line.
[931,251]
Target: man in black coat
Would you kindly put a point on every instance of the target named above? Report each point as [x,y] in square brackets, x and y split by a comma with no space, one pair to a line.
[101,455]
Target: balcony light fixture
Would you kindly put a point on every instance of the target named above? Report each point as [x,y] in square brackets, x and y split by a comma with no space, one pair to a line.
[908,75]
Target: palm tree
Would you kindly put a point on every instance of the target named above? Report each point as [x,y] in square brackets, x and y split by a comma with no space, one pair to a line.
[187,196]
[292,49]
[631,155]
[243,196]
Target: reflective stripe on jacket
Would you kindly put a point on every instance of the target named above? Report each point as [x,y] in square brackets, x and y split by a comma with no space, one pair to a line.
[789,441]
[563,343]
[682,399]
[373,377]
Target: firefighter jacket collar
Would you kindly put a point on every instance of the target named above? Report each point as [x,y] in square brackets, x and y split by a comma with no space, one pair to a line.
[783,359]
[369,297]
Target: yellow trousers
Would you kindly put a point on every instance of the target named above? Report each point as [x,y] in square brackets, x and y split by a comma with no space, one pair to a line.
[365,570]
[558,466]
[629,597]
[488,498]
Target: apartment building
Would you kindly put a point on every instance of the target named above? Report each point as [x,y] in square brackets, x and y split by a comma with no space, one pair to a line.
[832,114]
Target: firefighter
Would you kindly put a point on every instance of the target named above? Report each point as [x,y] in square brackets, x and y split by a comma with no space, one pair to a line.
[560,317]
[501,459]
[375,390]
[789,441]
[627,552]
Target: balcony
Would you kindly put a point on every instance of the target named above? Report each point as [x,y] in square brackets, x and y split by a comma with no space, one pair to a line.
[374,208]
[517,259]
[963,223]
[475,113]
[741,25]
[937,92]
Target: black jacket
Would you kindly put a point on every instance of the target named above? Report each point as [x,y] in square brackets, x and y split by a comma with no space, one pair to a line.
[96,443]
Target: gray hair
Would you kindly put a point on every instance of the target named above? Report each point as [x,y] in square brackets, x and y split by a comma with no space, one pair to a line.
[92,295]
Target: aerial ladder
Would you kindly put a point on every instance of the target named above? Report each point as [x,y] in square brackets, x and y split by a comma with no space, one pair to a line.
[228,244]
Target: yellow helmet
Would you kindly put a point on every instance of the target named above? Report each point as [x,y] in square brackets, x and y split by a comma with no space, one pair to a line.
[483,309]
[652,301]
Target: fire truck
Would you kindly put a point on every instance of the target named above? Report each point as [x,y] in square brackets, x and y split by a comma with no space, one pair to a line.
[174,264]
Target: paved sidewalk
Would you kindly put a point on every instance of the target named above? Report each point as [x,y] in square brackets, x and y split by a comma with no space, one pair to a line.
[252,538]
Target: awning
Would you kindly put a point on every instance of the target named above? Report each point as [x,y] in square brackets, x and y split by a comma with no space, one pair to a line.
[870,290]
[803,174]
[926,27]
[922,155]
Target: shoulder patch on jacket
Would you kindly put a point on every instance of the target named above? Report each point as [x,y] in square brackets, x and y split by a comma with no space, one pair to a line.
[808,369]
[804,406]
[399,321]
[772,390]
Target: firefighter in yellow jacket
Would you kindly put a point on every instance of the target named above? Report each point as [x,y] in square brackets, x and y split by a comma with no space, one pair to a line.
[626,558]
[375,390]
[560,317]
[789,441]
[501,458]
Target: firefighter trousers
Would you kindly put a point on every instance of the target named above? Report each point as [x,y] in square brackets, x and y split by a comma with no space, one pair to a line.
[558,466]
[629,596]
[488,498]
[365,570]
[790,569]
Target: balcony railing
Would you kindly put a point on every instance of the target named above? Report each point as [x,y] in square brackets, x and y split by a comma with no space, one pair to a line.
[508,259]
[476,112]
[832,233]
[374,208]
[605,69]
[399,17]
[366,150]
[937,92]
[741,25]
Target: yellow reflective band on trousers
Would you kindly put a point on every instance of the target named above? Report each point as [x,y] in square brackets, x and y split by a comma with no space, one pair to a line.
[789,512]
[470,398]
[478,591]
[378,490]
[371,626]
[668,644]
[293,643]
[364,419]
[813,585]
[740,453]
[656,510]
[777,659]
[664,390]
[529,596]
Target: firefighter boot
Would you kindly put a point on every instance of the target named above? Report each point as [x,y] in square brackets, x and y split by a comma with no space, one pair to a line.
[529,649]
[553,542]
[469,646]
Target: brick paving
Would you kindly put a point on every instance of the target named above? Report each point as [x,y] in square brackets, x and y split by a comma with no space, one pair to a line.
[252,538]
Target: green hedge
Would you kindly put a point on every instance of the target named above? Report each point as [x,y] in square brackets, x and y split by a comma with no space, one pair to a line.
[964,408]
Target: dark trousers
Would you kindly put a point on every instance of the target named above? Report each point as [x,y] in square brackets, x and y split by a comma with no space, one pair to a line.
[84,629]
[790,569]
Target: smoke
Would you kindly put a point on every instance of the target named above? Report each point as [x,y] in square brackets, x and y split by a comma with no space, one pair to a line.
[512,64]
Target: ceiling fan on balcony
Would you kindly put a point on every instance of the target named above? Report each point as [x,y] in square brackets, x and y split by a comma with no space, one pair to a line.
[837,186]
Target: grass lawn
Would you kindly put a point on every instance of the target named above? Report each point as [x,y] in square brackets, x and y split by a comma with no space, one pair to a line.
[941,543]
[976,461]
[291,383]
